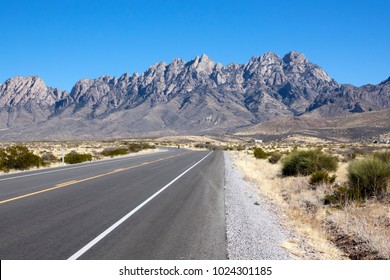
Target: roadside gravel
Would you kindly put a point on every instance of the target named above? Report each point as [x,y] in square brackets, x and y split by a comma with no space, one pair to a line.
[253,231]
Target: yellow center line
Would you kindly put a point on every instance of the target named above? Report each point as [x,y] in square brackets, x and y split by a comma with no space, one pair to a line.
[65,184]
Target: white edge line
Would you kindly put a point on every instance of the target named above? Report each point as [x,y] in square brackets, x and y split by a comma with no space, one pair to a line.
[80,252]
[76,167]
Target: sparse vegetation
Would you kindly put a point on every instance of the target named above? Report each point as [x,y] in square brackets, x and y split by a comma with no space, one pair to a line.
[131,147]
[308,162]
[201,146]
[74,157]
[321,176]
[356,153]
[136,147]
[341,196]
[336,219]
[274,157]
[50,152]
[49,157]
[234,148]
[111,152]
[18,157]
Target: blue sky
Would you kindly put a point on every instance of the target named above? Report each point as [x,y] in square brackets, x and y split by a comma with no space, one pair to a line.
[64,41]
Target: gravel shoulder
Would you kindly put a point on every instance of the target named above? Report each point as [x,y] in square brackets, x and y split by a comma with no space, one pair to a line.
[253,230]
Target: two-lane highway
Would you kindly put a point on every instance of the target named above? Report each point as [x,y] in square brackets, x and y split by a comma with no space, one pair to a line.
[159,206]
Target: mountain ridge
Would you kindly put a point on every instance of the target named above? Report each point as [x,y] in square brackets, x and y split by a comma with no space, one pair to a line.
[199,96]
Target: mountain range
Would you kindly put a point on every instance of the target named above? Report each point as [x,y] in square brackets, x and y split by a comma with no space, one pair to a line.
[195,97]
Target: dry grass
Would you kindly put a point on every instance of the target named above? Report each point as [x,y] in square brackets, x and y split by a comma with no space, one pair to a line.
[296,203]
[303,210]
[370,223]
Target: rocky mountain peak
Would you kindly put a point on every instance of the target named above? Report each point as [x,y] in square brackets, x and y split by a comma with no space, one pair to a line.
[27,100]
[21,90]
[205,58]
[124,77]
[203,64]
[269,58]
[33,84]
[297,66]
[176,62]
[294,57]
[385,81]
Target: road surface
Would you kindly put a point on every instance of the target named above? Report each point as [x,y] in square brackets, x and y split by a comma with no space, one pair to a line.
[166,205]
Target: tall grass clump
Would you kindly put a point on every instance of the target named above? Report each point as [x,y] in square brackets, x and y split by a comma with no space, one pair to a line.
[18,157]
[308,162]
[383,156]
[370,176]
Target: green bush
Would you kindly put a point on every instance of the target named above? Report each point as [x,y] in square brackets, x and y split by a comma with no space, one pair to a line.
[18,157]
[370,176]
[111,152]
[308,162]
[260,153]
[275,157]
[74,157]
[321,176]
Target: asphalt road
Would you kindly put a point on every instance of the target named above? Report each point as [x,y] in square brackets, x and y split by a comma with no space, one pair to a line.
[159,206]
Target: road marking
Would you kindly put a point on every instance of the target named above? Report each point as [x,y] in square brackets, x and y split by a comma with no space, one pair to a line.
[128,215]
[66,183]
[38,192]
[82,165]
[87,179]
[119,170]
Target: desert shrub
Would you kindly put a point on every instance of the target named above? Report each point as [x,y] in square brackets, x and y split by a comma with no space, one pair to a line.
[321,176]
[74,157]
[370,176]
[49,157]
[308,162]
[111,152]
[260,153]
[18,157]
[274,157]
[136,147]
[203,146]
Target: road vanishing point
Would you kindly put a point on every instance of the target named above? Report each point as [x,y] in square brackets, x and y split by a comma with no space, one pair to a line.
[163,205]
